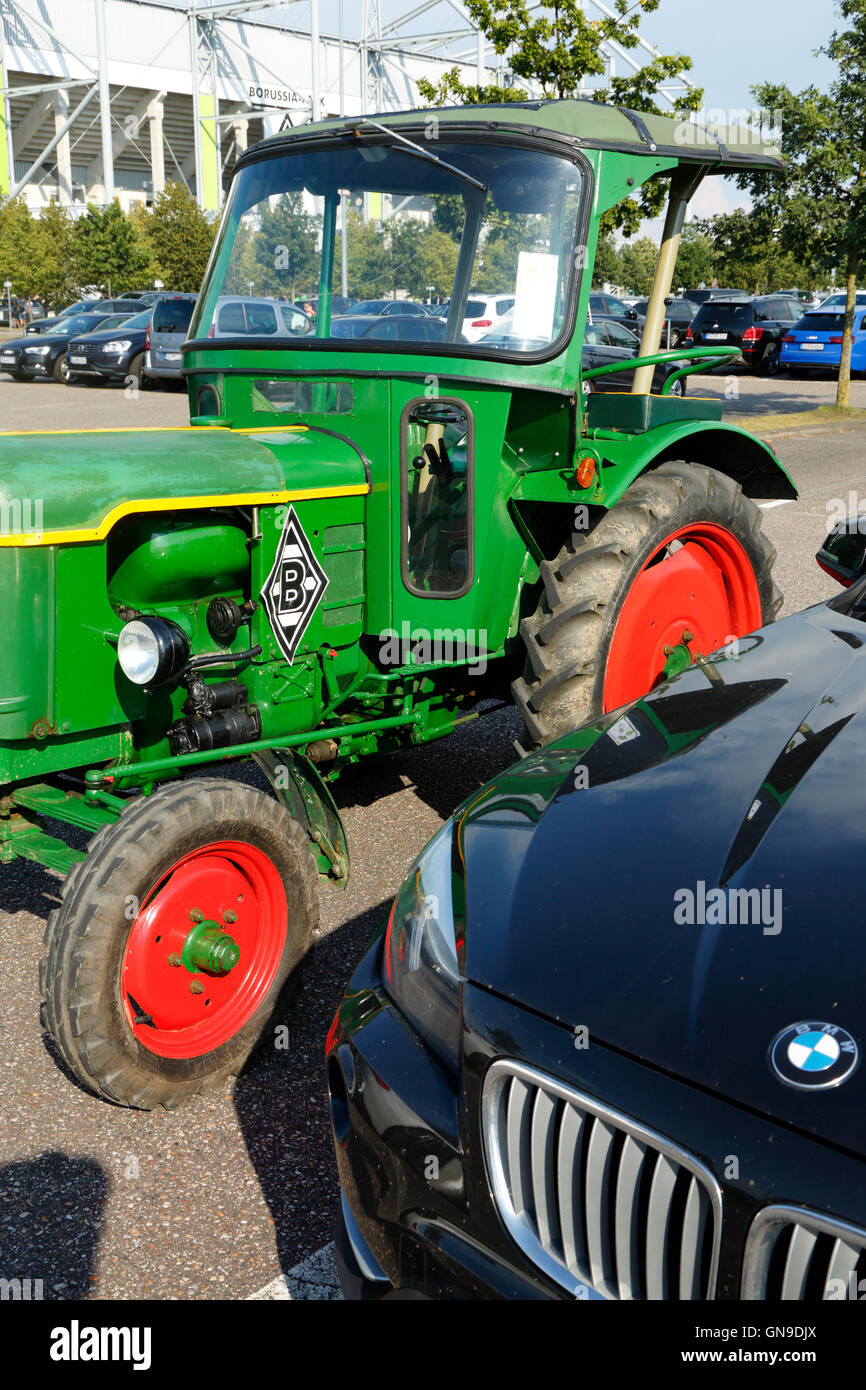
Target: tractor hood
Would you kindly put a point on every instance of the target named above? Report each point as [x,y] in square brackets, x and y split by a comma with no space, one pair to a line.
[74,486]
[589,870]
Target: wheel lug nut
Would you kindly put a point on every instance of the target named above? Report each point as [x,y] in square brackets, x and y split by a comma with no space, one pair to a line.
[175,959]
[688,637]
[196,987]
[230,916]
[196,916]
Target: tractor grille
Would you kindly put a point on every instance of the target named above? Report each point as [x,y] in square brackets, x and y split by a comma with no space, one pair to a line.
[794,1255]
[595,1200]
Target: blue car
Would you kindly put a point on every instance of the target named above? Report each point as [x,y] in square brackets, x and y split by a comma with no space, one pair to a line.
[815,342]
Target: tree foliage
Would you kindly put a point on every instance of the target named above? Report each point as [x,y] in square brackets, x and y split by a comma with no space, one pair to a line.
[555,46]
[816,207]
[179,237]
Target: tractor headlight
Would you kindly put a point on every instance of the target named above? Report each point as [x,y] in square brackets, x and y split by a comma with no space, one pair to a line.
[152,651]
[422,974]
[118,345]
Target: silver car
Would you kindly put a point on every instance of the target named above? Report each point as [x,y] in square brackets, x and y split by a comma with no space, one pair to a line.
[168,330]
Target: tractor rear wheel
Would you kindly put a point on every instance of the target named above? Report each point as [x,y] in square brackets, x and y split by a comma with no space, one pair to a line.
[174,939]
[678,565]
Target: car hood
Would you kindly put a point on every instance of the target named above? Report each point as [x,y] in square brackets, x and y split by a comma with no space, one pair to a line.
[583,862]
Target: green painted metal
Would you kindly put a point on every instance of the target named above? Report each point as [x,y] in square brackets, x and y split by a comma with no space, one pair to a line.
[97,526]
[209,947]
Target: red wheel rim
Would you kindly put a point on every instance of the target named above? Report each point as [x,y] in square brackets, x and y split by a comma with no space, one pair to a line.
[222,881]
[699,580]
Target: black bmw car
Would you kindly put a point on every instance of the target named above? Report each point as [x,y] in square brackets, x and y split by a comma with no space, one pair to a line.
[113,352]
[608,1043]
[28,359]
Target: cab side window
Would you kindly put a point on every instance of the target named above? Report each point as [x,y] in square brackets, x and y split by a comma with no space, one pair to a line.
[437,468]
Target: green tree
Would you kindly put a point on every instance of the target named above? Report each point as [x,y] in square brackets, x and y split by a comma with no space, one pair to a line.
[607,268]
[696,258]
[17,240]
[638,260]
[556,45]
[180,238]
[817,205]
[745,256]
[107,250]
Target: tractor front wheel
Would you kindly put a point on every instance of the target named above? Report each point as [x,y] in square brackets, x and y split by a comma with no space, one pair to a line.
[174,939]
[676,569]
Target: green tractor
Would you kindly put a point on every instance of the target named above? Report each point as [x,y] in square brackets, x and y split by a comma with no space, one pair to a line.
[374,521]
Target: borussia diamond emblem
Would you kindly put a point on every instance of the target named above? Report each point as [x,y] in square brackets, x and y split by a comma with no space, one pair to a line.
[293,588]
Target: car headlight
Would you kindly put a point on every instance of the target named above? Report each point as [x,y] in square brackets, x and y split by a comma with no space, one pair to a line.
[37,351]
[152,651]
[118,345]
[422,974]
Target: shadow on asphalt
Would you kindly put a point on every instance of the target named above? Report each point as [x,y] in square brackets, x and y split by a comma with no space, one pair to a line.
[50,1215]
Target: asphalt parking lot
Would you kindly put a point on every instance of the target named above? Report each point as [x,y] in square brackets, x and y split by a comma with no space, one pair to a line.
[234,1196]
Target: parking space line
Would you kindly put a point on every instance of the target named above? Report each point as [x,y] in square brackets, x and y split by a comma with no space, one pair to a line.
[781,502]
[315,1278]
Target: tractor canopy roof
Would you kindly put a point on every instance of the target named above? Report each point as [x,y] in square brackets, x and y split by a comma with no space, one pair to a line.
[580,122]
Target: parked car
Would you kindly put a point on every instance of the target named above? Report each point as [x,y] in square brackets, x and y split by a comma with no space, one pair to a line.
[701,296]
[756,325]
[678,315]
[167,330]
[404,328]
[26,360]
[607,341]
[86,306]
[248,316]
[339,305]
[483,313]
[535,1076]
[838,301]
[386,307]
[114,352]
[815,342]
[608,306]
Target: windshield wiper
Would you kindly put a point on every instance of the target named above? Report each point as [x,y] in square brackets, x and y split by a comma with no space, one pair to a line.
[420,153]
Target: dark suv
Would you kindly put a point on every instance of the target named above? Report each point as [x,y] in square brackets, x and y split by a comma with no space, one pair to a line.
[755,325]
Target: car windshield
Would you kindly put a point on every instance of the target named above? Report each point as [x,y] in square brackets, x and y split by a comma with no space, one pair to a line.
[75,323]
[414,227]
[820,323]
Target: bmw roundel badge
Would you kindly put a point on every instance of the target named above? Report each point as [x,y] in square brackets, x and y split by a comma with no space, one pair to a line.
[814,1056]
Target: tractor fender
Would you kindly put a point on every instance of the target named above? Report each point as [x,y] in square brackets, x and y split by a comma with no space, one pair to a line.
[299,785]
[750,461]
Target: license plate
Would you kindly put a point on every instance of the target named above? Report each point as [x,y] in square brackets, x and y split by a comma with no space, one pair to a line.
[173,356]
[7,357]
[716,337]
[79,361]
[812,347]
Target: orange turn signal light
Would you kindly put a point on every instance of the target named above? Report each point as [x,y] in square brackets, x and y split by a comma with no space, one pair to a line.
[586,470]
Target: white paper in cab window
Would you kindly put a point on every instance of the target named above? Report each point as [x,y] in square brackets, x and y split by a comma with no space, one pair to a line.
[535,294]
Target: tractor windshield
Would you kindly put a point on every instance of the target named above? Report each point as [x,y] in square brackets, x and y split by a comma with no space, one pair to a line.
[380,245]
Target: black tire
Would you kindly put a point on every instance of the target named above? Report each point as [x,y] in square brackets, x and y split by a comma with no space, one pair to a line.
[771,361]
[568,638]
[135,367]
[86,937]
[61,368]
